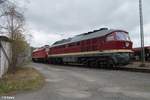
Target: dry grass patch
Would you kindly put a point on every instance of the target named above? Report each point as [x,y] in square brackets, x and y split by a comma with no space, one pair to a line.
[24,79]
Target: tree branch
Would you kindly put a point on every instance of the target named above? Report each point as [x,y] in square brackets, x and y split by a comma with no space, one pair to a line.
[2,27]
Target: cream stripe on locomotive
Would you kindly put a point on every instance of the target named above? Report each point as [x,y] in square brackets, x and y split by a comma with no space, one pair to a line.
[92,52]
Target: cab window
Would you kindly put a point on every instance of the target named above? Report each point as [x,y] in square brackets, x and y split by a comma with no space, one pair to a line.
[110,37]
[122,36]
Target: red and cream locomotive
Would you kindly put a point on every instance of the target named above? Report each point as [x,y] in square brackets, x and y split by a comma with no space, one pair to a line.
[99,47]
[40,54]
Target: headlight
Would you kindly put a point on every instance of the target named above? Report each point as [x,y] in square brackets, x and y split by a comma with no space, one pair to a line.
[127,44]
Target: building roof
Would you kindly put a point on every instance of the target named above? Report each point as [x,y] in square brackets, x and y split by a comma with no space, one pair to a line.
[85,36]
[4,38]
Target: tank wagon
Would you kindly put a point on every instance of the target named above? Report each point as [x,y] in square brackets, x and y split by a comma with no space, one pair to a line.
[99,47]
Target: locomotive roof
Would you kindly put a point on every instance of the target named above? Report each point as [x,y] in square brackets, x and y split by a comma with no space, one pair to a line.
[41,48]
[85,36]
[4,38]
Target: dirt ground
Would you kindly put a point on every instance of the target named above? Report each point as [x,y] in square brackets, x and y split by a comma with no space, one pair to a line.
[80,83]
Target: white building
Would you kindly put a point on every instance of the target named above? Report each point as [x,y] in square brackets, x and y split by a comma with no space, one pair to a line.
[4,54]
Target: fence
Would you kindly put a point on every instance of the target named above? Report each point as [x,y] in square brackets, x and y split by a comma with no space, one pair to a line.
[4,54]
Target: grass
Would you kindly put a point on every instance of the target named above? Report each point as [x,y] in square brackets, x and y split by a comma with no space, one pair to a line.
[23,80]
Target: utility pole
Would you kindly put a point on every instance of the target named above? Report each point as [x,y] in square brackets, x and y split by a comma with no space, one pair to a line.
[142,34]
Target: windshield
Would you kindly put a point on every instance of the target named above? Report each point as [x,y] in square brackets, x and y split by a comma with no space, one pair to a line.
[118,36]
[122,36]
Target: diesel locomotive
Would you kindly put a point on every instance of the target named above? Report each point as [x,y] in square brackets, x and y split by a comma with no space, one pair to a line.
[109,47]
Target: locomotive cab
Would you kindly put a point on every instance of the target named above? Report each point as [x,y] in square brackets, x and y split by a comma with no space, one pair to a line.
[40,54]
[119,40]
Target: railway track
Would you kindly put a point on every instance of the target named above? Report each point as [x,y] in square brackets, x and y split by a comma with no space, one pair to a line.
[133,67]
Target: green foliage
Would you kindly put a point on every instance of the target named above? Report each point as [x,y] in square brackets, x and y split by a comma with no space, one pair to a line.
[19,44]
[24,79]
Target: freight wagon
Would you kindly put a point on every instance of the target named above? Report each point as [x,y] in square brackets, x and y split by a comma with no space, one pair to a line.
[137,53]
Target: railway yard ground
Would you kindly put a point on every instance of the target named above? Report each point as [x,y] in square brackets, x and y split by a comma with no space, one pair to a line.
[136,67]
[82,83]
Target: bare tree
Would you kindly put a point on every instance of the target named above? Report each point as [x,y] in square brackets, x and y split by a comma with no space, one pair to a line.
[12,24]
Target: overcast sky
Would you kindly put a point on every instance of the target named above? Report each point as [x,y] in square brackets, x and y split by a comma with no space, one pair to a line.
[52,20]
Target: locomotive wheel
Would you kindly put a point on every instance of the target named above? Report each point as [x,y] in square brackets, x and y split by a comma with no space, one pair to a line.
[87,63]
[94,64]
[110,64]
[101,64]
[91,64]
